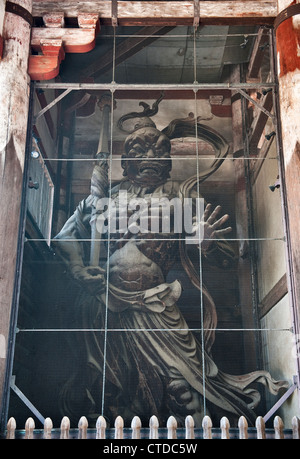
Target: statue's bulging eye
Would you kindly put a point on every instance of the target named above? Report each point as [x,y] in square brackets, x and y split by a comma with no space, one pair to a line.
[136,151]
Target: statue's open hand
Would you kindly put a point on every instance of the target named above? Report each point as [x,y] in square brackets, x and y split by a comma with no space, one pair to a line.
[92,278]
[211,226]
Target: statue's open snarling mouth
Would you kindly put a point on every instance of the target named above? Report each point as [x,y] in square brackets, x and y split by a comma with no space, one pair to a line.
[150,167]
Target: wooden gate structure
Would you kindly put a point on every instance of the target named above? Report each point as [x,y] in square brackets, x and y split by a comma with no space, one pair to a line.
[38,52]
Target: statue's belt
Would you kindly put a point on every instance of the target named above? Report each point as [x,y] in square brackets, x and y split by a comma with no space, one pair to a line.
[155,299]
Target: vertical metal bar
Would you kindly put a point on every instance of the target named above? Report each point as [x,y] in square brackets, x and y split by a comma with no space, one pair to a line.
[198,212]
[19,260]
[50,217]
[108,231]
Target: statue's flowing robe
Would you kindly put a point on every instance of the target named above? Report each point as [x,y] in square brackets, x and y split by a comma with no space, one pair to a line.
[139,344]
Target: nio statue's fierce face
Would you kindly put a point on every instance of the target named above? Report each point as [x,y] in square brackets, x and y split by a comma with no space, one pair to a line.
[147,160]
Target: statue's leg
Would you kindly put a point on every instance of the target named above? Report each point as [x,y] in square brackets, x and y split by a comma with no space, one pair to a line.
[183,400]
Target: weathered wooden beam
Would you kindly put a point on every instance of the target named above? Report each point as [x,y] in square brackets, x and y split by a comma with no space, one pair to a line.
[167,12]
[261,42]
[261,154]
[259,122]
[277,292]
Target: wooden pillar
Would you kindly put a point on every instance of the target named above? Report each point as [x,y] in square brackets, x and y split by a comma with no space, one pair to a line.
[2,12]
[287,27]
[14,100]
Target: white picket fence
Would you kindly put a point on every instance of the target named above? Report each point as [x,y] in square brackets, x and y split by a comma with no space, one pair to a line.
[153,431]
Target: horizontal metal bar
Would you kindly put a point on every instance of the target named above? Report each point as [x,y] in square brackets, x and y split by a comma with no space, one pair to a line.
[84,330]
[174,158]
[190,35]
[151,87]
[183,238]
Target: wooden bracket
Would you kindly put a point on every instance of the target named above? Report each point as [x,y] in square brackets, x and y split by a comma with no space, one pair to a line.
[53,41]
[46,66]
[54,20]
[73,40]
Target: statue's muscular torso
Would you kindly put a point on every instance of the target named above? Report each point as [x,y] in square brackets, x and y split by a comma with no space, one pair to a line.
[143,260]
